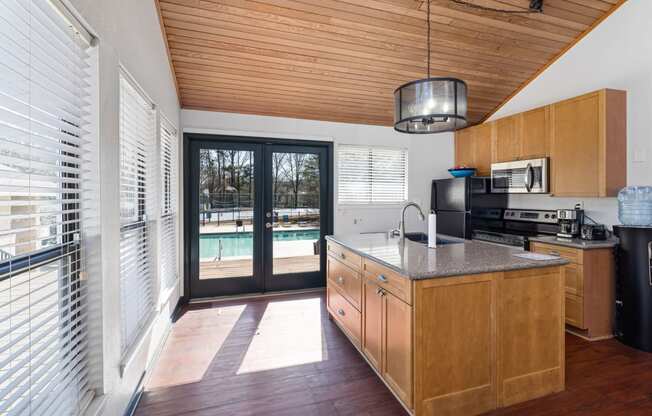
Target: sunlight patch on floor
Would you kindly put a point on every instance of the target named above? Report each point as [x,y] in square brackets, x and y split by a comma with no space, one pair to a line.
[277,342]
[191,338]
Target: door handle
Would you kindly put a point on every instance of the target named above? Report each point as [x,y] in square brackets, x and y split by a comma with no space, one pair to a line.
[529,177]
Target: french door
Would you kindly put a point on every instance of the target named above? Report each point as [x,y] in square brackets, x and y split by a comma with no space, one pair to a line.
[257,215]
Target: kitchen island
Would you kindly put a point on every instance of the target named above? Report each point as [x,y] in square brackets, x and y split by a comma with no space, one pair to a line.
[457,330]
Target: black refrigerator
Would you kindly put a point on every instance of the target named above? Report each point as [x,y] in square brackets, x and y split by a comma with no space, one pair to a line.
[455,200]
[633,323]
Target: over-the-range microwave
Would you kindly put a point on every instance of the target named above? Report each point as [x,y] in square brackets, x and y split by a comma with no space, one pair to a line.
[520,177]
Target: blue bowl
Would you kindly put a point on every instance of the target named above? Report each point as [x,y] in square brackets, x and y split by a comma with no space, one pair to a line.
[462,173]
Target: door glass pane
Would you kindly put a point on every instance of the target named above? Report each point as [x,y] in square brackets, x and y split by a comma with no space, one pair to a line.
[296,216]
[226,213]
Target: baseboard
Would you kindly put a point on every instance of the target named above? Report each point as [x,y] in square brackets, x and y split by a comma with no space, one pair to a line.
[580,334]
[262,295]
[135,397]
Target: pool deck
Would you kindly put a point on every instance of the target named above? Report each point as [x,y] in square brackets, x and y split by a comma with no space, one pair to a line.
[243,268]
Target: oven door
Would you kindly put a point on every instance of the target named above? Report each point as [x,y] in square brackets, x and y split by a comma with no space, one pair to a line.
[520,177]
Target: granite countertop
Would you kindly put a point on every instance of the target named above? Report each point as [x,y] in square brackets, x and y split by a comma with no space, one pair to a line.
[416,261]
[577,242]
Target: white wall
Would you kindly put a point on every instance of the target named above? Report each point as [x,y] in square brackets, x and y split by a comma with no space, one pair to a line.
[129,34]
[429,156]
[617,54]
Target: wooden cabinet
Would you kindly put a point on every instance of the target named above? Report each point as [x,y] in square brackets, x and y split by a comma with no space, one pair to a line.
[372,325]
[523,136]
[589,287]
[387,337]
[397,370]
[464,148]
[584,137]
[535,133]
[507,144]
[460,345]
[588,149]
[483,142]
[473,147]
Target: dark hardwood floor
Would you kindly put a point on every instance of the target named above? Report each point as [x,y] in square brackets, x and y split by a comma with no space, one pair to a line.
[282,356]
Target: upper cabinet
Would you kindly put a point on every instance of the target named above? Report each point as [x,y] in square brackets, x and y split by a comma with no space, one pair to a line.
[522,136]
[507,144]
[473,147]
[535,133]
[589,145]
[585,138]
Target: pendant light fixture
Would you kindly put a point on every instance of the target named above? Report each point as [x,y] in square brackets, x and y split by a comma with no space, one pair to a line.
[430,105]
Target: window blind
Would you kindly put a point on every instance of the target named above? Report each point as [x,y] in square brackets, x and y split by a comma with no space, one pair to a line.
[137,164]
[168,155]
[372,175]
[43,120]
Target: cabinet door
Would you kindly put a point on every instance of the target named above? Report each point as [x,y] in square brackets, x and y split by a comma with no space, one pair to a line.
[464,148]
[507,143]
[372,329]
[482,145]
[575,147]
[397,370]
[535,133]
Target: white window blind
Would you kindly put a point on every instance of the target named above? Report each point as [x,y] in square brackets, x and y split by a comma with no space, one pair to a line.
[43,120]
[168,155]
[372,175]
[137,167]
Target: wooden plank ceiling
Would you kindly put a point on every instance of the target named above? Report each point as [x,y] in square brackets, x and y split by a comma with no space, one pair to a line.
[340,60]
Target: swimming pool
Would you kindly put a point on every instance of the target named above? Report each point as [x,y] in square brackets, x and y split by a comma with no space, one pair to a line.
[241,244]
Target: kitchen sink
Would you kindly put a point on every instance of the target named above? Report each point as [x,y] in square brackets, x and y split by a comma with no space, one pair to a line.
[423,239]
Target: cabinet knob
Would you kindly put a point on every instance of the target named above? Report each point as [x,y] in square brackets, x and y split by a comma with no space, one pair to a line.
[381,278]
[341,312]
[342,256]
[340,280]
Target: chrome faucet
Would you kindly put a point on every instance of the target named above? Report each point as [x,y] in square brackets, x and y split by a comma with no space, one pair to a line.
[400,232]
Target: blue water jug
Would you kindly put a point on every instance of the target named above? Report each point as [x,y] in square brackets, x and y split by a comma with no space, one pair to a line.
[635,205]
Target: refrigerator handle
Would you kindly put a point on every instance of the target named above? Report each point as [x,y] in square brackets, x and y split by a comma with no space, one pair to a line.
[649,260]
[433,196]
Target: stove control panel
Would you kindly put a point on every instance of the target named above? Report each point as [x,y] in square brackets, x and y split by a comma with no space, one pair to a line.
[542,216]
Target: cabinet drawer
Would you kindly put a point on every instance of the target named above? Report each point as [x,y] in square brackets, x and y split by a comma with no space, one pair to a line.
[345,314]
[346,280]
[344,255]
[570,254]
[574,279]
[393,282]
[575,311]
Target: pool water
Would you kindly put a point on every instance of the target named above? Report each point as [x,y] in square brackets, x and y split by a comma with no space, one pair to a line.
[241,244]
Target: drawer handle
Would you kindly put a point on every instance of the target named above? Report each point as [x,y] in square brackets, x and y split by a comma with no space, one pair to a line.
[555,253]
[342,256]
[340,280]
[340,312]
[381,278]
[380,292]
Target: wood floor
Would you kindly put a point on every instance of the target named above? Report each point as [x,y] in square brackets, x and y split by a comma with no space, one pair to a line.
[282,356]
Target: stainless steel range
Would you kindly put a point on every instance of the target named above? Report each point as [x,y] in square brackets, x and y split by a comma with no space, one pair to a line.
[512,227]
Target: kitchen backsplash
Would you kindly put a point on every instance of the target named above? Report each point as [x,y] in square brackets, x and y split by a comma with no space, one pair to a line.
[602,210]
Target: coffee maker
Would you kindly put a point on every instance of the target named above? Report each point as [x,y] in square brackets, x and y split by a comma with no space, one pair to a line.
[570,222]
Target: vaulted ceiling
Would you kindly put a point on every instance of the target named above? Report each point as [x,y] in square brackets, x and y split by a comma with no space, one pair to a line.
[340,60]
